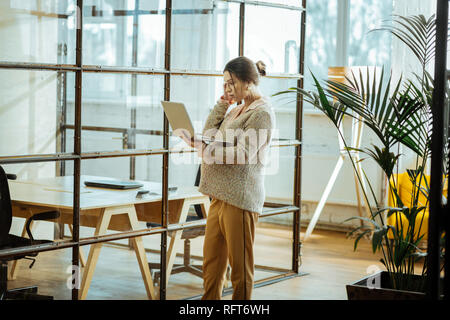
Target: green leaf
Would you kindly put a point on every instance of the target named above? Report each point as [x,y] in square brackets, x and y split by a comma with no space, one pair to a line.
[359,238]
[377,238]
[355,230]
[364,219]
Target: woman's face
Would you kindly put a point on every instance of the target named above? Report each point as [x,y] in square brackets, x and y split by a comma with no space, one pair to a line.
[233,87]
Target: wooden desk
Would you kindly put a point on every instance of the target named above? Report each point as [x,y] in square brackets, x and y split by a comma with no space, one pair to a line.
[107,209]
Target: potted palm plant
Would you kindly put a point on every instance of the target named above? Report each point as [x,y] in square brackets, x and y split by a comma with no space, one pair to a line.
[397,112]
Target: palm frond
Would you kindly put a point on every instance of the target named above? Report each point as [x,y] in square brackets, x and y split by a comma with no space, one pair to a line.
[416,32]
[392,119]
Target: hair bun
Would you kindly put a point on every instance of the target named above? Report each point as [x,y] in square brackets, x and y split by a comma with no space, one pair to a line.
[261,67]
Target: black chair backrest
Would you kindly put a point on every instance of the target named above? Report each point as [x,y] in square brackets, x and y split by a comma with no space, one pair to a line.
[197,207]
[5,206]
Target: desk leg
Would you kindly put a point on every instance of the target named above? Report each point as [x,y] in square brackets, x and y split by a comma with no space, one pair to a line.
[94,252]
[141,256]
[175,241]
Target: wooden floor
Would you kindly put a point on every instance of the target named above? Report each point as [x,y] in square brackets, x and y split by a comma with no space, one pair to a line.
[327,257]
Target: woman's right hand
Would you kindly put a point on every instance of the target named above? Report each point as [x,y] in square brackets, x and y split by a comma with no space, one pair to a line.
[225,96]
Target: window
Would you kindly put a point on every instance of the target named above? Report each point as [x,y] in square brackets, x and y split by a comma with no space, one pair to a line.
[374,48]
[328,20]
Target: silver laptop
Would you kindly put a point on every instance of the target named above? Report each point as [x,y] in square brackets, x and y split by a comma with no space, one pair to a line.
[179,119]
[113,184]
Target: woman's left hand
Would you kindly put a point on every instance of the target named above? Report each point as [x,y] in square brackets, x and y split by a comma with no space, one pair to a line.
[201,149]
[189,141]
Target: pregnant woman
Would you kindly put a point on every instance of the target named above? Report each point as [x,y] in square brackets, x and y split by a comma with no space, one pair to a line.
[233,177]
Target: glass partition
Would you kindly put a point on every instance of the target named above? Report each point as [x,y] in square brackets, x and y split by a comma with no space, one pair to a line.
[151,35]
[205,34]
[276,43]
[120,112]
[124,33]
[31,111]
[124,52]
[37,31]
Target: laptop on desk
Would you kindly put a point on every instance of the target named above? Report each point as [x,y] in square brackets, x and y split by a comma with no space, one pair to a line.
[113,184]
[122,185]
[179,120]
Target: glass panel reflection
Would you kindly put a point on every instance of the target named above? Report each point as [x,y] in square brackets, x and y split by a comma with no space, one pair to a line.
[199,94]
[123,33]
[273,237]
[37,31]
[276,43]
[31,107]
[151,34]
[279,175]
[284,105]
[117,108]
[205,34]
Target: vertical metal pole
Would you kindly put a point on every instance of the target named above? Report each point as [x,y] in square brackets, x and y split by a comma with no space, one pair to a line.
[165,169]
[132,134]
[62,91]
[447,206]
[61,135]
[77,144]
[298,149]
[446,215]
[437,143]
[130,141]
[63,128]
[241,28]
[58,229]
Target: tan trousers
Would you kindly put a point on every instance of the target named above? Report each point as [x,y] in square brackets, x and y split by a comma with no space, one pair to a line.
[229,236]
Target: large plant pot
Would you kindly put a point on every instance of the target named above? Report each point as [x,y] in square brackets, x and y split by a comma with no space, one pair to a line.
[377,287]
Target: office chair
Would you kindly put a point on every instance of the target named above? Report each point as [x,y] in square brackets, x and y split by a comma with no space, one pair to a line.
[9,241]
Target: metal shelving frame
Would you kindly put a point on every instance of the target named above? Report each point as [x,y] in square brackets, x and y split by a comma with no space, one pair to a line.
[77,155]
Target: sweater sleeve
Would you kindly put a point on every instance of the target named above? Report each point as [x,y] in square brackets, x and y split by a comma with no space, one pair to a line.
[215,118]
[256,135]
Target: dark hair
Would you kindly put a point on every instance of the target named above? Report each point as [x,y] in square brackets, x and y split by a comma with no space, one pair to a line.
[245,69]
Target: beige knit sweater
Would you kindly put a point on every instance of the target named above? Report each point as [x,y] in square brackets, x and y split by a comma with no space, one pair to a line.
[234,174]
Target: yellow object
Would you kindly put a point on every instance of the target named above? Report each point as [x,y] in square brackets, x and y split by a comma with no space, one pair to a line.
[405,189]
